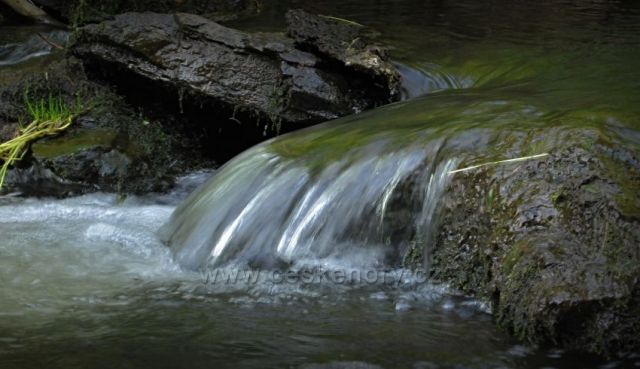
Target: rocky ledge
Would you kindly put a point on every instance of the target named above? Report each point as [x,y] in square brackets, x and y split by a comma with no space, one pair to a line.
[172,92]
[325,69]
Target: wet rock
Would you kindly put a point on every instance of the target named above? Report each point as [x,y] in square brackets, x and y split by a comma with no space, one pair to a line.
[554,243]
[7,131]
[261,79]
[109,147]
[345,42]
[85,156]
[38,181]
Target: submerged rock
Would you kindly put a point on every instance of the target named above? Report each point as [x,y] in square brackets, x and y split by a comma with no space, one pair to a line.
[554,243]
[265,78]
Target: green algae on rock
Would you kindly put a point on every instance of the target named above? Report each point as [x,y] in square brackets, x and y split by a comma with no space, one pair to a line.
[552,243]
[109,147]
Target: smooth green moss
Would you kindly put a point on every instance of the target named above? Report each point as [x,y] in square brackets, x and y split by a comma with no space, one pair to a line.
[74,143]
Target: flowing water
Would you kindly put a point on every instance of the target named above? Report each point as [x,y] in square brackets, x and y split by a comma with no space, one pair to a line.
[291,254]
[87,283]
[19,44]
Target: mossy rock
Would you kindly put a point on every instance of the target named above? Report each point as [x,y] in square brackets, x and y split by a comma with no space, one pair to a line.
[109,147]
[553,243]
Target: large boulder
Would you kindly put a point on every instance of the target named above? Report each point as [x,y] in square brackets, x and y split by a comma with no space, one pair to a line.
[553,243]
[268,80]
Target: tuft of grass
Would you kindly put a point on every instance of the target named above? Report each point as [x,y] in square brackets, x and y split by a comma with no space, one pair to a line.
[49,117]
[49,109]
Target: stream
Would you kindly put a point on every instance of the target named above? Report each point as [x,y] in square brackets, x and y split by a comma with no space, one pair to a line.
[87,283]
[281,257]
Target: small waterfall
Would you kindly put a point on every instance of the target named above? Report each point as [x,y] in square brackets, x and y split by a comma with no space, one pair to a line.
[263,209]
[363,190]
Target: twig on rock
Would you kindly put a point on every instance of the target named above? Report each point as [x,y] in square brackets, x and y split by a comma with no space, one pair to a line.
[514,160]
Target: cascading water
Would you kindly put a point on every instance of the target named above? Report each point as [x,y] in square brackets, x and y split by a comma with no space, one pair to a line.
[90,272]
[264,208]
[86,281]
[358,194]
